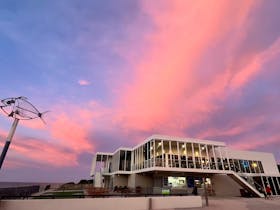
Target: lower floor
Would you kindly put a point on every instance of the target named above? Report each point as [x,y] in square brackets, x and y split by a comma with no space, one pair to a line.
[160,182]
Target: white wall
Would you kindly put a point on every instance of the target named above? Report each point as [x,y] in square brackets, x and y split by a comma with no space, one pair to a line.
[267,159]
[139,203]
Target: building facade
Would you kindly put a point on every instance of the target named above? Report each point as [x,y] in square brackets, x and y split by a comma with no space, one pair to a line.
[178,164]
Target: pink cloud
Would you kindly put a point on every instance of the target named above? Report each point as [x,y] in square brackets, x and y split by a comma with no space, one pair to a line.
[165,94]
[71,132]
[255,66]
[66,136]
[255,142]
[165,91]
[26,151]
[83,82]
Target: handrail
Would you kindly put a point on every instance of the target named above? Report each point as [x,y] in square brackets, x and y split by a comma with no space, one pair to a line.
[247,184]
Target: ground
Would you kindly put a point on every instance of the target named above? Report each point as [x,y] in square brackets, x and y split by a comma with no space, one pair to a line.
[238,203]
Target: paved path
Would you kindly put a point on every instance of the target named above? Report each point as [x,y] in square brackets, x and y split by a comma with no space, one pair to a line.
[241,204]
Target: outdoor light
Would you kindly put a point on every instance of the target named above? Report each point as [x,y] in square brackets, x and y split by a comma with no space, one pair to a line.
[254,165]
[196,153]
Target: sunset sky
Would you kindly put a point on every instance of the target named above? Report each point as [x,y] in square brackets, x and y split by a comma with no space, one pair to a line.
[112,73]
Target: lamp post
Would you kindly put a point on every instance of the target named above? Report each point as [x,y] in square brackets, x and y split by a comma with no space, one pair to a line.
[205,191]
[8,141]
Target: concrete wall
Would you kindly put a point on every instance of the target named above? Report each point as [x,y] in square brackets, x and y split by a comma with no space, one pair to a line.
[144,181]
[223,185]
[139,203]
[98,180]
[120,180]
[131,181]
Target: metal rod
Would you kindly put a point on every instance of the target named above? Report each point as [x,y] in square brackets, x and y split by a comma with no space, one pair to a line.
[8,141]
[205,191]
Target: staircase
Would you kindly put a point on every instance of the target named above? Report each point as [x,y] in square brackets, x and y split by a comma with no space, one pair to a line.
[242,182]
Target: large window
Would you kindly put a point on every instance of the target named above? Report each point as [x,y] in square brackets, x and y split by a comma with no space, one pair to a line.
[176,182]
[122,160]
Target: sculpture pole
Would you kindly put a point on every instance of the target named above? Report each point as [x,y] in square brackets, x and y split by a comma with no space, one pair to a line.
[8,141]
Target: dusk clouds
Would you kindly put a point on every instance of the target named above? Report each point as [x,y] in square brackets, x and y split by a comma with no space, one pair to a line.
[200,69]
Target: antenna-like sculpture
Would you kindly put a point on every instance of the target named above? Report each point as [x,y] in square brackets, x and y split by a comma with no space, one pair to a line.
[19,109]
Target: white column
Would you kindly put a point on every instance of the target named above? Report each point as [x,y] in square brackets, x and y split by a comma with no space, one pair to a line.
[186,154]
[200,157]
[193,156]
[142,157]
[215,159]
[138,159]
[132,160]
[227,158]
[102,164]
[207,154]
[162,156]
[170,156]
[221,157]
[107,162]
[154,151]
[179,156]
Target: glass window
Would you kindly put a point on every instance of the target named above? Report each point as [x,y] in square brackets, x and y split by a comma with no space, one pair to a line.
[158,153]
[270,182]
[128,161]
[204,157]
[220,165]
[197,156]
[255,167]
[231,165]
[236,165]
[277,187]
[260,166]
[122,160]
[211,156]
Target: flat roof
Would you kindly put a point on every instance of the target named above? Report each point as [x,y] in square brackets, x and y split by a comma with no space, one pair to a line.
[168,138]
[181,139]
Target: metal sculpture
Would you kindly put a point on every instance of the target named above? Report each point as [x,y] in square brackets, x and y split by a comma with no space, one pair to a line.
[19,109]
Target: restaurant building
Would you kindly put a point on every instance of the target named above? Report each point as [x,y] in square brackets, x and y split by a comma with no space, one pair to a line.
[176,165]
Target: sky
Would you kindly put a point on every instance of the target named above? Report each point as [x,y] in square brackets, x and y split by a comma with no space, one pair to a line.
[112,73]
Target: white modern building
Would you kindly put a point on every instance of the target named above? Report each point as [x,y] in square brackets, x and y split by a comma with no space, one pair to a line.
[176,164]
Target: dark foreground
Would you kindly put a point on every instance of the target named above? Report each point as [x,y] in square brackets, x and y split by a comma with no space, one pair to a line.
[239,203]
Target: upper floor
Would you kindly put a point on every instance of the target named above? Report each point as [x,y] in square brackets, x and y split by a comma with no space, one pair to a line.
[182,154]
